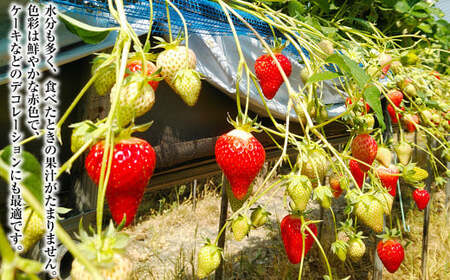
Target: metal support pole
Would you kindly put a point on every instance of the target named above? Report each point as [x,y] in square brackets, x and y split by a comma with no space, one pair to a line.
[426,218]
[223,218]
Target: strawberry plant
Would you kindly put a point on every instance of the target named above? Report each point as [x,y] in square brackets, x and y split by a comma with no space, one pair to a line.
[371,73]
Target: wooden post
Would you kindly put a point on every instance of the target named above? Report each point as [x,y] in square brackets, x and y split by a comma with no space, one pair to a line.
[447,199]
[377,264]
[426,218]
[223,218]
[194,204]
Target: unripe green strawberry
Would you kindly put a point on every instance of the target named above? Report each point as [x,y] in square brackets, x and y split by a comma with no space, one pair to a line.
[259,217]
[384,156]
[106,77]
[120,269]
[187,84]
[340,248]
[403,151]
[327,47]
[324,195]
[410,90]
[370,212]
[305,74]
[173,59]
[409,59]
[386,201]
[414,175]
[396,66]
[366,122]
[240,227]
[33,231]
[136,98]
[356,249]
[299,189]
[81,134]
[106,254]
[314,165]
[209,258]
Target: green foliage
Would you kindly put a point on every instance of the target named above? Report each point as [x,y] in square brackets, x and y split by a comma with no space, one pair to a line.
[392,17]
[31,168]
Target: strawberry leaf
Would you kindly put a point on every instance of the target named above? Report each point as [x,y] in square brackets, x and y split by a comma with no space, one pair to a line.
[88,33]
[322,76]
[32,178]
[372,97]
[350,67]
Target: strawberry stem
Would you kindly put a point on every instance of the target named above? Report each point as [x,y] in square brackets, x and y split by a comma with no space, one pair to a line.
[169,22]
[186,35]
[304,226]
[300,271]
[6,251]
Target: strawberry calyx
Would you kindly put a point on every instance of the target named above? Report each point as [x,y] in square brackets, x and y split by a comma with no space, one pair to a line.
[86,131]
[347,227]
[390,234]
[259,216]
[413,174]
[101,249]
[278,46]
[163,44]
[356,235]
[324,195]
[245,123]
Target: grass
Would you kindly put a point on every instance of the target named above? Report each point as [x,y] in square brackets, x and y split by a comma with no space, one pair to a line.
[165,241]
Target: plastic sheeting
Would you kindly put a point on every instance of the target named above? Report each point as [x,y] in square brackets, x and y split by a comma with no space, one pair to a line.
[217,56]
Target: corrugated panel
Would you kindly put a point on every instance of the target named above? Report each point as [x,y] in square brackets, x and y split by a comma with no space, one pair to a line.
[444,5]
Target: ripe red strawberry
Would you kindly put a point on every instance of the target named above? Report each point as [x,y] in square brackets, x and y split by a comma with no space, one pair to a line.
[388,177]
[335,185]
[364,148]
[421,197]
[135,65]
[131,169]
[391,253]
[384,60]
[348,102]
[293,239]
[240,155]
[395,96]
[410,121]
[357,173]
[392,114]
[269,75]
[436,74]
